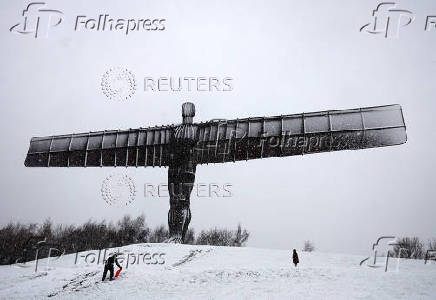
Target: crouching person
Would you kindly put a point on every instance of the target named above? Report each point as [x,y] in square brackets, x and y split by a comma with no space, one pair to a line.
[109,266]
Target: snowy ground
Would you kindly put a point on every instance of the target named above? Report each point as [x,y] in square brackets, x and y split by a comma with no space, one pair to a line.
[206,272]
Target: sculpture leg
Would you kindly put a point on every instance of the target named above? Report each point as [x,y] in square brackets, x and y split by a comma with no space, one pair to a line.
[179,217]
[186,224]
[180,185]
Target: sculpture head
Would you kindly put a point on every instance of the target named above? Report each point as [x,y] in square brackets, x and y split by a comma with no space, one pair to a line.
[188,112]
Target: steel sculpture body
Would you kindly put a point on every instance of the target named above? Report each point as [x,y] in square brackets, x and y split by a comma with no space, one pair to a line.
[182,147]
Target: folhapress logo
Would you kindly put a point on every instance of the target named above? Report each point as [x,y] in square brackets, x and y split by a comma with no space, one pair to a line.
[37,20]
[107,23]
[388,20]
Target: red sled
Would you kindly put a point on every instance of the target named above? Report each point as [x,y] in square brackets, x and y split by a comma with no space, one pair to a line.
[118,273]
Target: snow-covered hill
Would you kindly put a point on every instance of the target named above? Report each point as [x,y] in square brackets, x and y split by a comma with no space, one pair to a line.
[206,272]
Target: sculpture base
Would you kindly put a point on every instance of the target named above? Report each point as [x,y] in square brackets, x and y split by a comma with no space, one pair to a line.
[174,240]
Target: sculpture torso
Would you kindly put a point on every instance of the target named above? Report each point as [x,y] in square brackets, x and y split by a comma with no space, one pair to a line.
[181,175]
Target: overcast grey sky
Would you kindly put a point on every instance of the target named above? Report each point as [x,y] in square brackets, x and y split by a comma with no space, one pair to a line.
[285,57]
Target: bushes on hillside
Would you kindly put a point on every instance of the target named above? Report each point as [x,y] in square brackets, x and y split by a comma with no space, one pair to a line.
[409,247]
[19,242]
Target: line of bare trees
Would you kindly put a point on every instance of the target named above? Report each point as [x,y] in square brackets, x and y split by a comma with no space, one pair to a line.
[19,242]
[413,247]
[309,246]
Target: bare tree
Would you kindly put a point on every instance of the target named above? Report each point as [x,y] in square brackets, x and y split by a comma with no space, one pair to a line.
[216,237]
[409,247]
[223,237]
[432,244]
[241,236]
[19,242]
[309,246]
[190,237]
[159,234]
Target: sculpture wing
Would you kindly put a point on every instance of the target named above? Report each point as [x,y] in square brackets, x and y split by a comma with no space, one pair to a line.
[299,134]
[114,148]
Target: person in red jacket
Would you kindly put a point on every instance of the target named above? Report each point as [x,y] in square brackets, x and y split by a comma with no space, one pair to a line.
[295,257]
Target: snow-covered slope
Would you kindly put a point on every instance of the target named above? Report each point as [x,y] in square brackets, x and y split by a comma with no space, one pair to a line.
[206,272]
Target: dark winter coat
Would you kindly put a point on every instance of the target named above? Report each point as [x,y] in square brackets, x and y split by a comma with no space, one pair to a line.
[111,260]
[295,257]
